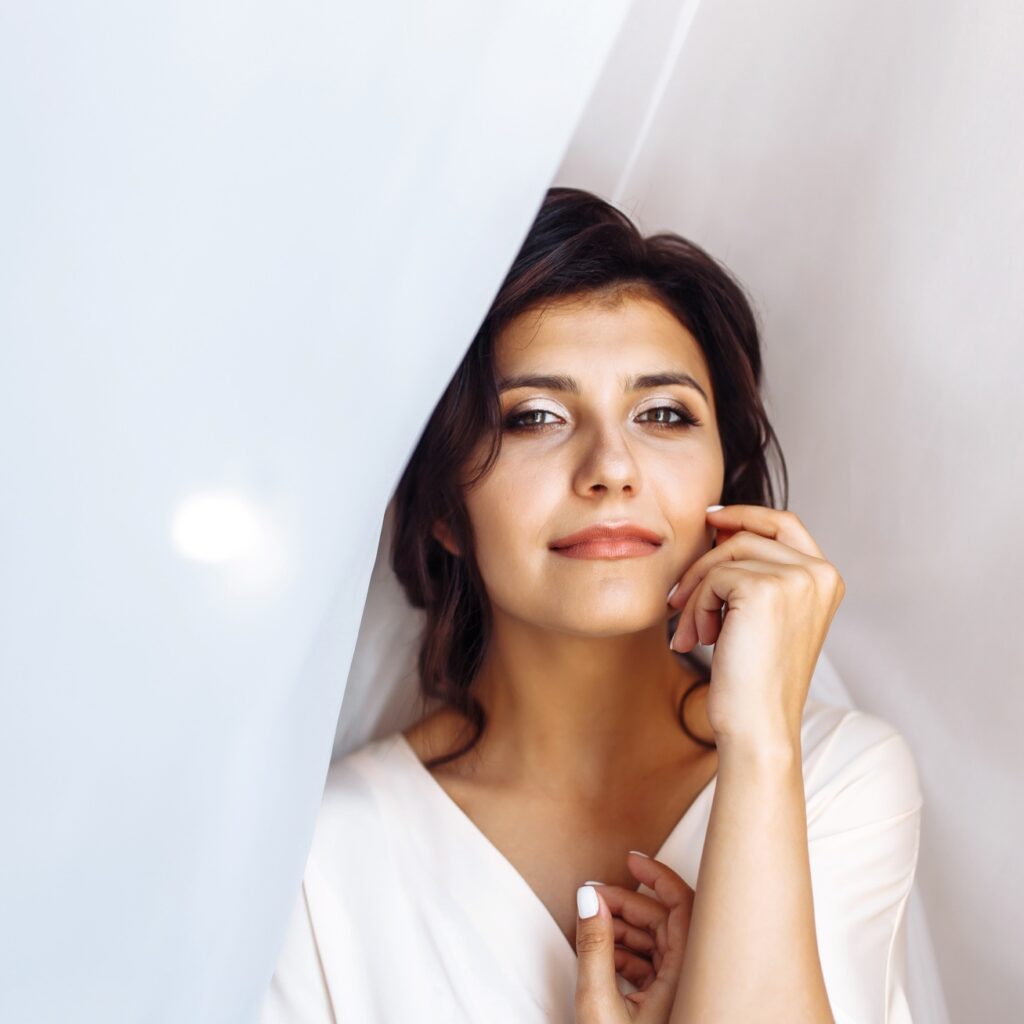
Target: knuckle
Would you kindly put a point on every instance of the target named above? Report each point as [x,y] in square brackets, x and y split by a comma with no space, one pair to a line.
[591,942]
[828,575]
[803,578]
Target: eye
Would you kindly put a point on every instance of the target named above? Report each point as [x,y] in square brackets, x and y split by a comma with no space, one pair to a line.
[515,422]
[518,421]
[685,417]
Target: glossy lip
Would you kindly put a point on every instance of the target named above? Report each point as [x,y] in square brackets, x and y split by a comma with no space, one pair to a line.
[607,532]
[608,549]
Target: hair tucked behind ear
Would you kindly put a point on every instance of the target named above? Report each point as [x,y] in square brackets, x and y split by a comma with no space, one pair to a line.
[578,245]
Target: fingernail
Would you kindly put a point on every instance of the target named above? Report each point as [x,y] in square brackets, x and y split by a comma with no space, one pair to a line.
[672,591]
[713,508]
[586,901]
[641,853]
[591,882]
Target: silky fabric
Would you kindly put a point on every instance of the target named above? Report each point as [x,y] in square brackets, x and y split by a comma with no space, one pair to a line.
[407,912]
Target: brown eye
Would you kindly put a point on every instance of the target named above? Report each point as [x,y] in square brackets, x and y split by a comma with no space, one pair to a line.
[684,418]
[520,421]
[670,417]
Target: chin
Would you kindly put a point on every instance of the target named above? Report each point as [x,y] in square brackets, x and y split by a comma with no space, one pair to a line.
[607,622]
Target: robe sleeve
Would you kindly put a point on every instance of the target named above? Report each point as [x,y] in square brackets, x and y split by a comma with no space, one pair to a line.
[298,993]
[863,840]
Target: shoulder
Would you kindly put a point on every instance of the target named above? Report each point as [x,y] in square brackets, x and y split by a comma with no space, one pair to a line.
[858,768]
[355,790]
[864,835]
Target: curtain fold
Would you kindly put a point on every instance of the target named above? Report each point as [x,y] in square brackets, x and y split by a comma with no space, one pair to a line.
[244,247]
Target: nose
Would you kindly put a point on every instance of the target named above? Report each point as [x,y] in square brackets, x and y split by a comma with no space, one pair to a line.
[606,464]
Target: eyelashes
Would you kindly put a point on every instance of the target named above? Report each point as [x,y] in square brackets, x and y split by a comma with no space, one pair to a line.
[514,423]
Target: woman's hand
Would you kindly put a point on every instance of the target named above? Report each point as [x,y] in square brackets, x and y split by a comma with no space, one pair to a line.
[653,932]
[780,594]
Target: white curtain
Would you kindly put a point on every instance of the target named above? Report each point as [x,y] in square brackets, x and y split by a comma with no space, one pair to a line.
[243,247]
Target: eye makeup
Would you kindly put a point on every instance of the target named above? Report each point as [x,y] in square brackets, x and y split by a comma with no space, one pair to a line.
[513,423]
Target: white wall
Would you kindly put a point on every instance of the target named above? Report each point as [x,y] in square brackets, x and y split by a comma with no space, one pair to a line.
[859,166]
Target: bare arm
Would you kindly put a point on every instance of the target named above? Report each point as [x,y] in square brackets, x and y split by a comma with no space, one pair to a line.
[752,950]
[752,953]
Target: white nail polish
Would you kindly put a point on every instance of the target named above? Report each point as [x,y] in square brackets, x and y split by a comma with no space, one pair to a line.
[586,901]
[641,853]
[672,591]
[592,882]
[713,508]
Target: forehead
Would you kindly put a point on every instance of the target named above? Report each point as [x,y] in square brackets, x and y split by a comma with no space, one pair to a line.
[584,333]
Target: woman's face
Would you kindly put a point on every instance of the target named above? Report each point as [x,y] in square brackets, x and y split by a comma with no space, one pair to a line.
[595,447]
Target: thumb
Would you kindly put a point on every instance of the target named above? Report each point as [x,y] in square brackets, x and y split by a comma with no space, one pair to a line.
[597,995]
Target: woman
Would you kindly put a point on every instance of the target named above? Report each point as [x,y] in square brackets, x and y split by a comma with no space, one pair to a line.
[596,469]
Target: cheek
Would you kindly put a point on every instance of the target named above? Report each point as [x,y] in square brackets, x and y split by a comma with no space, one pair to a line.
[511,522]
[514,494]
[683,494]
[682,482]
[492,509]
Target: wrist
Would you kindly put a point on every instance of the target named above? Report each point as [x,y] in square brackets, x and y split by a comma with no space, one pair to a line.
[769,753]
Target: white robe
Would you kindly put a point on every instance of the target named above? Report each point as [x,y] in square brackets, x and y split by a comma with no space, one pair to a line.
[408,913]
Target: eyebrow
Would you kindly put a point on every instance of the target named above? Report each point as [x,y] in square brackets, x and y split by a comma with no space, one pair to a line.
[559,382]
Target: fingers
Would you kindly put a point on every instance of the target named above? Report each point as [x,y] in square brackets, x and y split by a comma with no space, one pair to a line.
[635,909]
[641,937]
[669,888]
[658,988]
[777,524]
[640,940]
[660,993]
[742,545]
[597,995]
[637,970]
[743,531]
[701,618]
[640,921]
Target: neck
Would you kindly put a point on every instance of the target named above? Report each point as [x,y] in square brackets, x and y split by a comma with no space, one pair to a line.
[577,715]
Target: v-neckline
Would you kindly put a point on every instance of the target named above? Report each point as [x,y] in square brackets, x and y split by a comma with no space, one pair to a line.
[445,798]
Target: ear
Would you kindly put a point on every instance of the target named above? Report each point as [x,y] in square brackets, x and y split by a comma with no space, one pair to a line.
[443,534]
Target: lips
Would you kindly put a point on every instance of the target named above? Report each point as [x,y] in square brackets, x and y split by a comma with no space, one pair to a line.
[619,531]
[624,547]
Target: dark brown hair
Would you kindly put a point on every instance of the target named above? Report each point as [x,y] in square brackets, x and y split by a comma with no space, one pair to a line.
[579,246]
